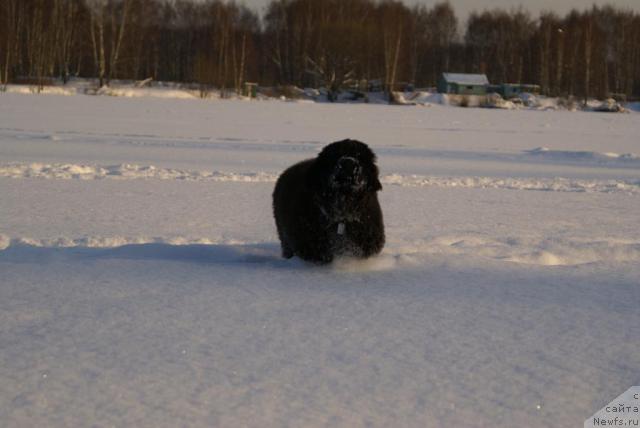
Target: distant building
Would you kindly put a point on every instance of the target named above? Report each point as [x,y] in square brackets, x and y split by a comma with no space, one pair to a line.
[513,90]
[461,83]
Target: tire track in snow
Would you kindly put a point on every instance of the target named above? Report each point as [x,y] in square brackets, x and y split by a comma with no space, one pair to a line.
[136,172]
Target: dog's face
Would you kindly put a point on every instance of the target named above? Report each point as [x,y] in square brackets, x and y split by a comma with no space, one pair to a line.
[347,174]
[346,167]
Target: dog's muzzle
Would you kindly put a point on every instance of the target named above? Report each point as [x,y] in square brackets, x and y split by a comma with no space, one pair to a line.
[347,174]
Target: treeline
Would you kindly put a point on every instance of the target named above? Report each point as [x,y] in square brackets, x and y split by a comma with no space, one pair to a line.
[328,43]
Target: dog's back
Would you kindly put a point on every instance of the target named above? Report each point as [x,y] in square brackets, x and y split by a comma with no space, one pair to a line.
[289,198]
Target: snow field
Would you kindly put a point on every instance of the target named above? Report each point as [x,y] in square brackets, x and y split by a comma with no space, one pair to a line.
[141,282]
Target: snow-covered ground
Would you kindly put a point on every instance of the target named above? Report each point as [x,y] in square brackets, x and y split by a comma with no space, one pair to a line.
[141,283]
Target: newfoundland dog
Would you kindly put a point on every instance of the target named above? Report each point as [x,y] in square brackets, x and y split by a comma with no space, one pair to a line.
[328,206]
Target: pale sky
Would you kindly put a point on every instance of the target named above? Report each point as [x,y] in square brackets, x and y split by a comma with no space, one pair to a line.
[464,7]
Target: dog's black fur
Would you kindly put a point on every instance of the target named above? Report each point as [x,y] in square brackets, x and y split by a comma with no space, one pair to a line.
[328,206]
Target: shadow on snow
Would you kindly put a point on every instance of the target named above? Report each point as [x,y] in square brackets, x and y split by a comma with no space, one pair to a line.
[259,254]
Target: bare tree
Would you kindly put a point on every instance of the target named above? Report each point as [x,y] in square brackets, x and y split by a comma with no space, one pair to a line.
[109,19]
[318,43]
[97,9]
[547,28]
[393,19]
[444,26]
[65,16]
[12,17]
[588,49]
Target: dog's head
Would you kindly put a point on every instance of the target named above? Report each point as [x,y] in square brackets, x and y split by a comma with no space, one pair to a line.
[347,167]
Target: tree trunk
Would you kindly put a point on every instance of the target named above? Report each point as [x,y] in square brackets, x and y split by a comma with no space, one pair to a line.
[240,74]
[97,41]
[588,32]
[560,62]
[116,41]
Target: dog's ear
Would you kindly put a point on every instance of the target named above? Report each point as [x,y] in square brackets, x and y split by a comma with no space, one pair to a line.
[374,182]
[375,186]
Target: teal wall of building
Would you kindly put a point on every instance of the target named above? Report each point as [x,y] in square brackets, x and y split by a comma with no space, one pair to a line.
[446,87]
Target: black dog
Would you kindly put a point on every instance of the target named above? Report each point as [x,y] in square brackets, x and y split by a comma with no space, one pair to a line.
[328,206]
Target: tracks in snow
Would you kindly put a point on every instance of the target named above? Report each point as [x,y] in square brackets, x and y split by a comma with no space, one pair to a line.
[150,172]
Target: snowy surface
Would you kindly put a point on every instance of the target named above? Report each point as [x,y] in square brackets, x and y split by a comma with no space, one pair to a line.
[141,283]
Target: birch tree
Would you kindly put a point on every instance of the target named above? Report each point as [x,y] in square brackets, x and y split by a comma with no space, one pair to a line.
[12,18]
[109,20]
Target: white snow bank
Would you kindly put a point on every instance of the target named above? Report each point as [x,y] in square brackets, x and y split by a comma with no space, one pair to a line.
[428,98]
[524,100]
[534,251]
[5,241]
[176,248]
[130,172]
[132,92]
[173,90]
[558,184]
[109,241]
[115,90]
[516,249]
[45,90]
[564,155]
[123,172]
